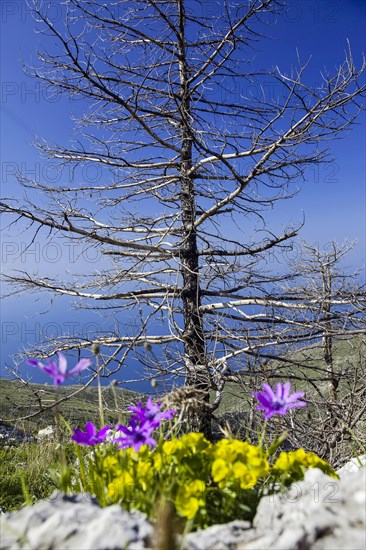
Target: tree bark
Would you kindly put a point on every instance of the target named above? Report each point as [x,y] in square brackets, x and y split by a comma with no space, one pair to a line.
[194,342]
[327,340]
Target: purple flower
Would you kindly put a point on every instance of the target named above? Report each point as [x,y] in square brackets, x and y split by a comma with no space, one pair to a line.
[135,435]
[279,402]
[143,422]
[59,371]
[91,436]
[150,413]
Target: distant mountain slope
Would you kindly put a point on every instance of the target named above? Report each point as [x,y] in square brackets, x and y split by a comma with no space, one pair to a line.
[298,367]
[17,400]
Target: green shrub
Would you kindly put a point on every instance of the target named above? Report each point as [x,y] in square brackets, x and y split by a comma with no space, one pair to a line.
[206,483]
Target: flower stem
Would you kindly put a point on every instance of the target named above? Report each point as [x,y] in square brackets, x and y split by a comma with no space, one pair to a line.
[263,434]
[58,432]
[101,412]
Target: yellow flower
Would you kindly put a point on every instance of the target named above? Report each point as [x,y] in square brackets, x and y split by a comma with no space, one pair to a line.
[229,449]
[219,470]
[248,480]
[297,461]
[158,461]
[239,469]
[144,474]
[196,442]
[314,461]
[120,487]
[172,447]
[110,463]
[238,461]
[189,498]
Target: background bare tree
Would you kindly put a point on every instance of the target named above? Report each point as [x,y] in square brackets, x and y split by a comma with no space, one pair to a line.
[193,169]
[337,299]
[329,302]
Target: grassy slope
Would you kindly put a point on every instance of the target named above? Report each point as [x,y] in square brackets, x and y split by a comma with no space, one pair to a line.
[17,400]
[347,354]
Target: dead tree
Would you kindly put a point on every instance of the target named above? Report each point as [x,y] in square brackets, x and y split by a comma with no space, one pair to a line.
[337,297]
[193,166]
[328,300]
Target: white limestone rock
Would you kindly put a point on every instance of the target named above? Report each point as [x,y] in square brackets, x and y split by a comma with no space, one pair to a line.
[70,523]
[219,537]
[352,465]
[46,434]
[317,513]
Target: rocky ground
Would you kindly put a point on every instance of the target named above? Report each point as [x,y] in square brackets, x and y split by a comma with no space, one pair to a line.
[9,435]
[319,513]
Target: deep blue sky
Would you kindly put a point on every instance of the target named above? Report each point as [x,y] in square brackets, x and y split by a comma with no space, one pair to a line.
[333,197]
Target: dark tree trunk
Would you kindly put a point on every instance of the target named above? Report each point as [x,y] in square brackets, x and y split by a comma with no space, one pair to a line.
[327,335]
[194,341]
